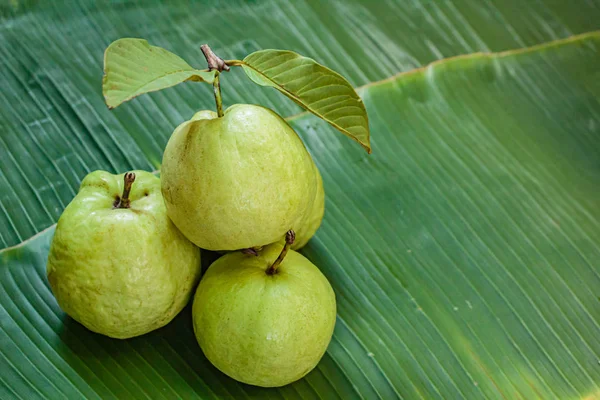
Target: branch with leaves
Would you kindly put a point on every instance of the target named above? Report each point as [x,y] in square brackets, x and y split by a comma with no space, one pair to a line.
[133,67]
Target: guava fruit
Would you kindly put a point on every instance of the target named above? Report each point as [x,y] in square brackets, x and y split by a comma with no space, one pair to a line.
[264,320]
[238,181]
[117,264]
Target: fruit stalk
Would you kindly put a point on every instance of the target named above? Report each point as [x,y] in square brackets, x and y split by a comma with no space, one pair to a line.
[124,201]
[218,99]
[290,236]
[215,63]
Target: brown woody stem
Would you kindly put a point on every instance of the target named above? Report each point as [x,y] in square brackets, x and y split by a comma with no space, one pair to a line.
[213,60]
[124,201]
[290,236]
[217,64]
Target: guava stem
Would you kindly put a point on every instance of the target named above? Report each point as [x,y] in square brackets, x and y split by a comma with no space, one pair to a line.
[250,251]
[213,60]
[217,64]
[290,236]
[124,201]
[218,98]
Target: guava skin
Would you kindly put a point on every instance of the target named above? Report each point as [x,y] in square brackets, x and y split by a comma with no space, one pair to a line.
[308,225]
[260,329]
[238,181]
[121,272]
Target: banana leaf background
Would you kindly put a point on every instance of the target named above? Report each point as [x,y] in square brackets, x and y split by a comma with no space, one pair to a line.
[464,252]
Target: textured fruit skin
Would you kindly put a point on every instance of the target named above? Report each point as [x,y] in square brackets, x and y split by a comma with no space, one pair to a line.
[239,181]
[309,224]
[264,330]
[121,272]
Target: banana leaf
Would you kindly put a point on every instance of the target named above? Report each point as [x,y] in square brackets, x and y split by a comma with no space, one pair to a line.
[464,252]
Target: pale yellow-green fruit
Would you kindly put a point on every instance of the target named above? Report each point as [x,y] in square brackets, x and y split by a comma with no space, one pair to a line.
[264,330]
[308,225]
[121,272]
[239,181]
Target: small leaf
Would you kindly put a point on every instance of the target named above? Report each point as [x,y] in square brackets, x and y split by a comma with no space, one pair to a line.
[313,87]
[133,67]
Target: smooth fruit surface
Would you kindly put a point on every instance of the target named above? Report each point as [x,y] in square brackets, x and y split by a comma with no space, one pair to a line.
[308,225]
[260,329]
[121,272]
[238,181]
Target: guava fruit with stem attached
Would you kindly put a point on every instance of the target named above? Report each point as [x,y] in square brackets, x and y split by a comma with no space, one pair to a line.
[117,264]
[264,320]
[237,181]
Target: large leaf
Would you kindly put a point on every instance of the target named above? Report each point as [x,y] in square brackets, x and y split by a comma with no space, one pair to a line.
[54,125]
[463,253]
[133,67]
[314,87]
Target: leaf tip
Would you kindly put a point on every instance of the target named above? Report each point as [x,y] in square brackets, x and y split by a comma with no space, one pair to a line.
[109,104]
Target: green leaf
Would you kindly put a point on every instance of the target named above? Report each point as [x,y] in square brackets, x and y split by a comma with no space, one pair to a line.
[463,252]
[133,67]
[313,87]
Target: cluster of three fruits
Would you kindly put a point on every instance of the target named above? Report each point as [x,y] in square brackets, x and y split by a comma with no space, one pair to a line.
[124,260]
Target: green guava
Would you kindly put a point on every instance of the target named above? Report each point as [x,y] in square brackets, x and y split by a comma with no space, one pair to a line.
[117,264]
[261,328]
[238,181]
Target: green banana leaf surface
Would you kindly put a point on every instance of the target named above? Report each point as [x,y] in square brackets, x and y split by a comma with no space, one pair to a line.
[464,252]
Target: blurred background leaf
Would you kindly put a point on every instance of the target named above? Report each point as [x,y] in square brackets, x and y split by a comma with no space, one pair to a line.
[463,252]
